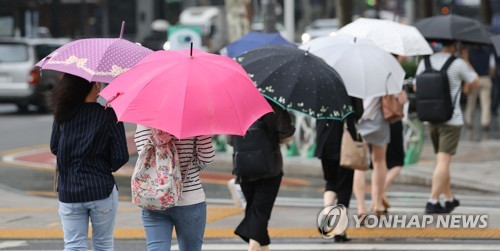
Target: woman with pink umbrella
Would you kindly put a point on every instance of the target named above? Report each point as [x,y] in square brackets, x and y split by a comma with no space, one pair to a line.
[187,94]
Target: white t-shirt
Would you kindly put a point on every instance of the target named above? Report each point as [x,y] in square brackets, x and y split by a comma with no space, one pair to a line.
[457,72]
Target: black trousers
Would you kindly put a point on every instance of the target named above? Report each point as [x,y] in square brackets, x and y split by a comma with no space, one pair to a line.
[338,180]
[260,196]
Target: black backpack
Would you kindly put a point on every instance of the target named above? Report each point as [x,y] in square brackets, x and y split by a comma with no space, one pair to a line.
[434,102]
[254,152]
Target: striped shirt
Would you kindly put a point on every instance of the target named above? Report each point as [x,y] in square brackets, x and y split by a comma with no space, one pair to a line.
[457,72]
[89,147]
[196,150]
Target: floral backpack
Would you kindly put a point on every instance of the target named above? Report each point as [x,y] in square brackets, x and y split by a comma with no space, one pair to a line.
[157,179]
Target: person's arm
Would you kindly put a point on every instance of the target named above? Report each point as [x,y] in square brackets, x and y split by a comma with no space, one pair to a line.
[351,128]
[119,150]
[204,151]
[54,138]
[493,65]
[141,137]
[284,125]
[468,74]
[402,97]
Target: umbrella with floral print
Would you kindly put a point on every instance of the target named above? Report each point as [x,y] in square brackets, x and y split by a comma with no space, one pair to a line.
[297,80]
[95,59]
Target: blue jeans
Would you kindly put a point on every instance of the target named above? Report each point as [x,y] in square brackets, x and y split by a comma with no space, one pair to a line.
[75,222]
[189,222]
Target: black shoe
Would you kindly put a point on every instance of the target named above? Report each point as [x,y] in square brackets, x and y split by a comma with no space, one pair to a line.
[434,208]
[450,205]
[341,238]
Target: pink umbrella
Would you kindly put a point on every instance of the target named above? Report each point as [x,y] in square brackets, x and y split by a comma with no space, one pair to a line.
[187,94]
[95,59]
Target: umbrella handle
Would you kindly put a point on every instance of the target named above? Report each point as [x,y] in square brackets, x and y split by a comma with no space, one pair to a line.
[111,100]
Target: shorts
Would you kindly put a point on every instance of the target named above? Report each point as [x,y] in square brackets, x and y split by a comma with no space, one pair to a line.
[445,137]
[376,131]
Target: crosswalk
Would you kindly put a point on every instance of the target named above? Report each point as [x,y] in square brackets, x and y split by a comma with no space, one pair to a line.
[406,202]
[358,247]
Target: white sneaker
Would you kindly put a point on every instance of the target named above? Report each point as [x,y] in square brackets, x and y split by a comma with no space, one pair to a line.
[237,195]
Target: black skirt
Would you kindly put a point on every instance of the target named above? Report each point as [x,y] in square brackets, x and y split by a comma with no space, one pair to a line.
[260,196]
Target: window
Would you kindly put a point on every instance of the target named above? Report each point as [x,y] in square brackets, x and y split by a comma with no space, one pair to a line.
[10,52]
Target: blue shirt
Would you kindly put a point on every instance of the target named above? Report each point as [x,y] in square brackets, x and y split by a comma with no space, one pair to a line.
[89,147]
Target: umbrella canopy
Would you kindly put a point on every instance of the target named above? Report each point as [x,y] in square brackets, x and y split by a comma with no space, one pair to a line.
[495,40]
[453,27]
[367,70]
[392,37]
[95,59]
[187,96]
[298,81]
[254,40]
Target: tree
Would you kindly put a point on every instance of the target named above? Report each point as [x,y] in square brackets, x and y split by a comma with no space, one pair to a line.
[485,12]
[269,16]
[344,11]
[423,9]
[238,19]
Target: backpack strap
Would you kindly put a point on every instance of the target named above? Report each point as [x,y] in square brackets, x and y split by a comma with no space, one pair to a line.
[448,63]
[443,70]
[427,63]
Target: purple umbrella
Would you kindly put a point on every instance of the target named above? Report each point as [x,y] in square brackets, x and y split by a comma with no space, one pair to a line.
[95,59]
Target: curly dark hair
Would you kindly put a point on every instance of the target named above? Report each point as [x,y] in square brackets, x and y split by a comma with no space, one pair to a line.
[67,96]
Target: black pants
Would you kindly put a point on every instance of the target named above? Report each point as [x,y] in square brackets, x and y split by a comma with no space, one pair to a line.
[260,196]
[338,180]
[495,93]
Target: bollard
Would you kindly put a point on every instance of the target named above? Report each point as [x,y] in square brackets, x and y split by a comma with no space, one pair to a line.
[293,150]
[312,149]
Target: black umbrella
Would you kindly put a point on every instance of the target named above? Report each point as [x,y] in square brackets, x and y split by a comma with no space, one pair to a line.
[298,81]
[495,40]
[453,27]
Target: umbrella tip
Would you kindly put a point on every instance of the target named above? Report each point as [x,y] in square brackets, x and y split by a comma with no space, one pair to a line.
[122,29]
[191,52]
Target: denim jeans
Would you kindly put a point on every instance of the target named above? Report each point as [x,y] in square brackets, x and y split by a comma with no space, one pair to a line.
[75,222]
[189,222]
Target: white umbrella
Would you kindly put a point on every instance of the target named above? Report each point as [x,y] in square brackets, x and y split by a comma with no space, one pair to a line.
[393,37]
[367,70]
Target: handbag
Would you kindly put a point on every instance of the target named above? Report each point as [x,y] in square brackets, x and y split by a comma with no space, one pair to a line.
[391,109]
[353,154]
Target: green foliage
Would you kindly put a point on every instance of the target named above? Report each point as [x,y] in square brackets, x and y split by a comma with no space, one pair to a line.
[410,67]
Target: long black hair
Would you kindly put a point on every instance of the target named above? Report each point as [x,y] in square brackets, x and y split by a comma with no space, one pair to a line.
[67,96]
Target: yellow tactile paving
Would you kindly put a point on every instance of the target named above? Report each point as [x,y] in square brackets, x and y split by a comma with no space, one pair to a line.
[138,233]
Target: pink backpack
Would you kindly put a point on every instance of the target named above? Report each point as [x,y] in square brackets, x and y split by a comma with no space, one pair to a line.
[157,179]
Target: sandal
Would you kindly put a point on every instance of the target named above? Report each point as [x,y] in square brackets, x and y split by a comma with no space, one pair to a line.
[385,202]
[341,238]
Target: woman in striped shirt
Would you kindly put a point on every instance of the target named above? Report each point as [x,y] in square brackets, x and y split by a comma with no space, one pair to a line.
[89,144]
[189,214]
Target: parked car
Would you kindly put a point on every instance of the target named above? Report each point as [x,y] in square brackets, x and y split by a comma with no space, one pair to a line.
[319,28]
[20,80]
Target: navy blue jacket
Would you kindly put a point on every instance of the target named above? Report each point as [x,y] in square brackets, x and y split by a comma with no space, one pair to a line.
[89,147]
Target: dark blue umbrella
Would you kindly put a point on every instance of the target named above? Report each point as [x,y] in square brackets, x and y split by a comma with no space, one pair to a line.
[254,40]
